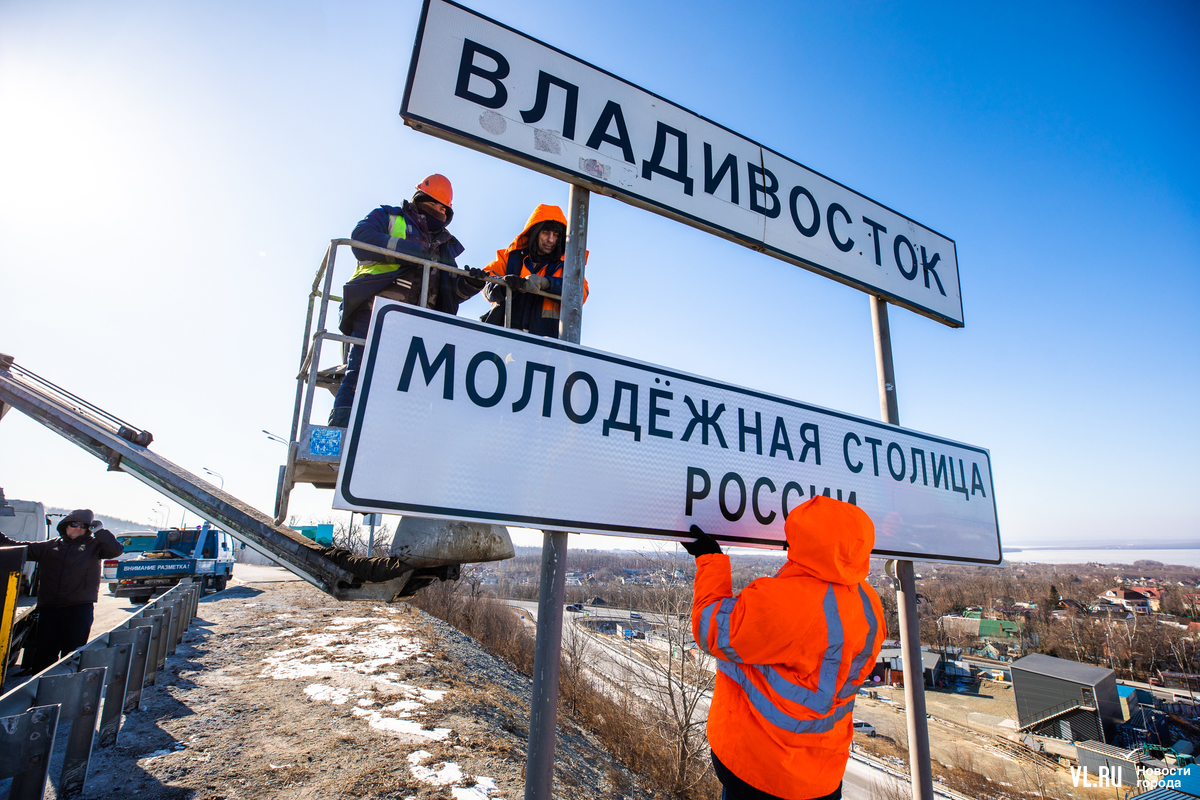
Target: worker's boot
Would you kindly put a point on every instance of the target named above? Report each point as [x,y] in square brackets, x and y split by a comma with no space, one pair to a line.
[339,417]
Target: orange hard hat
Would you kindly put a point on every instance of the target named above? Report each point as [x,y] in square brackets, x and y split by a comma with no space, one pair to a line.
[438,187]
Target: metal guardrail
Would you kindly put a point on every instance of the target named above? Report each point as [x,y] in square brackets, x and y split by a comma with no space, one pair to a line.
[84,694]
[901,777]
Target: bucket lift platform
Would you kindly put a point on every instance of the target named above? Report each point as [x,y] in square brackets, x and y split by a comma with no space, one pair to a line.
[314,453]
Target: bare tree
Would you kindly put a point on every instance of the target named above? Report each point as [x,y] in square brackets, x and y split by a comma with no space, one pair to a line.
[890,788]
[577,655]
[1035,778]
[672,674]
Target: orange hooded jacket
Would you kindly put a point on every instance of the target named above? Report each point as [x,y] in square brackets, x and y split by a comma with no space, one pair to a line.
[499,267]
[791,652]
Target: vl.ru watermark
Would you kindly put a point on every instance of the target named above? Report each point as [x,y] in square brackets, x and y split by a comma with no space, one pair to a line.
[1115,777]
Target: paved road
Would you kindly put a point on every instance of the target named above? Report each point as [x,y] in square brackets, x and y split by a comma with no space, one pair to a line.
[112,611]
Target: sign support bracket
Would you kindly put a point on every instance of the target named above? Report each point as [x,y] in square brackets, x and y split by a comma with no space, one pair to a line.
[917,721]
[543,705]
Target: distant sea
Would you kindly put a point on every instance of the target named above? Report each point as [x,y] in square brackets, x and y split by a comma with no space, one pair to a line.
[1106,554]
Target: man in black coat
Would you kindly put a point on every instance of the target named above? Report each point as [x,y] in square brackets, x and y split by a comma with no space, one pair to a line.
[68,583]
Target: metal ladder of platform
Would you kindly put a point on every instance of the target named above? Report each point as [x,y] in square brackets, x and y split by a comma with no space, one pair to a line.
[314,450]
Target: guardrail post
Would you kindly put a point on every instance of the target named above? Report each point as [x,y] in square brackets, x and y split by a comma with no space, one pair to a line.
[193,595]
[115,659]
[25,744]
[138,640]
[154,623]
[173,605]
[78,695]
[166,641]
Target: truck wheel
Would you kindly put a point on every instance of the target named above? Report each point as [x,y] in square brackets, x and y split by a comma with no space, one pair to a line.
[219,583]
[139,599]
[112,588]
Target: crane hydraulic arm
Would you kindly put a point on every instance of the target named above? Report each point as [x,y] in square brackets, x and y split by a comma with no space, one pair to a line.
[125,448]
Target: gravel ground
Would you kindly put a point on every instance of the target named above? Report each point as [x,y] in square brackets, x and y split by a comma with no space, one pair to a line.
[281,692]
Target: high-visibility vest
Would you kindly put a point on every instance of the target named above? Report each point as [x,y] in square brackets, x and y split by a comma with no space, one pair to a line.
[398,230]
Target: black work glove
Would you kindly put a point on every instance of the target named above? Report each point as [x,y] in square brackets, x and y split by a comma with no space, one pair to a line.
[515,282]
[703,545]
[475,277]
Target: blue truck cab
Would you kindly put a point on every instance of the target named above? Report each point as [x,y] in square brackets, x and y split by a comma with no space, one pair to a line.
[204,554]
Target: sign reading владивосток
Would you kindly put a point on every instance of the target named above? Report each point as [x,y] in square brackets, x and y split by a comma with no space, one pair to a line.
[486,86]
[461,420]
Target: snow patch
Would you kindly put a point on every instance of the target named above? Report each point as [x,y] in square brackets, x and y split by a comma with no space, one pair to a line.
[405,727]
[159,753]
[320,693]
[483,789]
[354,647]
[450,772]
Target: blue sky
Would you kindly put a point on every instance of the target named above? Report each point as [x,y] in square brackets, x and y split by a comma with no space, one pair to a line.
[172,173]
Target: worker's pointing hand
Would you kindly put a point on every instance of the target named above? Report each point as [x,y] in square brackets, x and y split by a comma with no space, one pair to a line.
[703,545]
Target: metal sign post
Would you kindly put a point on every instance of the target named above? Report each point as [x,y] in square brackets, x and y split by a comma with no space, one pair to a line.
[543,705]
[919,766]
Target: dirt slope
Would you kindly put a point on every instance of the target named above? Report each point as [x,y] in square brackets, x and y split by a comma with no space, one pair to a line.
[281,692]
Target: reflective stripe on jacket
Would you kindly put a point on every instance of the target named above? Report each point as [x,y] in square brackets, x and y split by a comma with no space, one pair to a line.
[791,652]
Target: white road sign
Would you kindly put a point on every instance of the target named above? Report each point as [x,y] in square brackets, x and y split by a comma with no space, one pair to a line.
[489,87]
[460,420]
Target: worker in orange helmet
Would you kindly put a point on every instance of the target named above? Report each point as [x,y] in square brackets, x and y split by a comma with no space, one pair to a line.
[534,261]
[415,229]
[791,652]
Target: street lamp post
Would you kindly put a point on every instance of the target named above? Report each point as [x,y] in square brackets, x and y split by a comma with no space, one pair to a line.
[216,475]
[282,470]
[275,438]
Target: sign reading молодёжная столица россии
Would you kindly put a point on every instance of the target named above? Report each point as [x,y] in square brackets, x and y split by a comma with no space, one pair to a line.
[461,420]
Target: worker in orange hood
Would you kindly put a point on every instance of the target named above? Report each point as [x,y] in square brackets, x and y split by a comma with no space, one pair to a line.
[533,261]
[791,652]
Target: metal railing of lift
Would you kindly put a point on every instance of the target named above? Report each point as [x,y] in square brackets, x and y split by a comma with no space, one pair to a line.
[87,691]
[321,290]
[125,430]
[316,335]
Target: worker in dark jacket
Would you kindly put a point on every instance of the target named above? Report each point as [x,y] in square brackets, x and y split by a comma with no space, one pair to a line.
[415,229]
[68,583]
[534,260]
